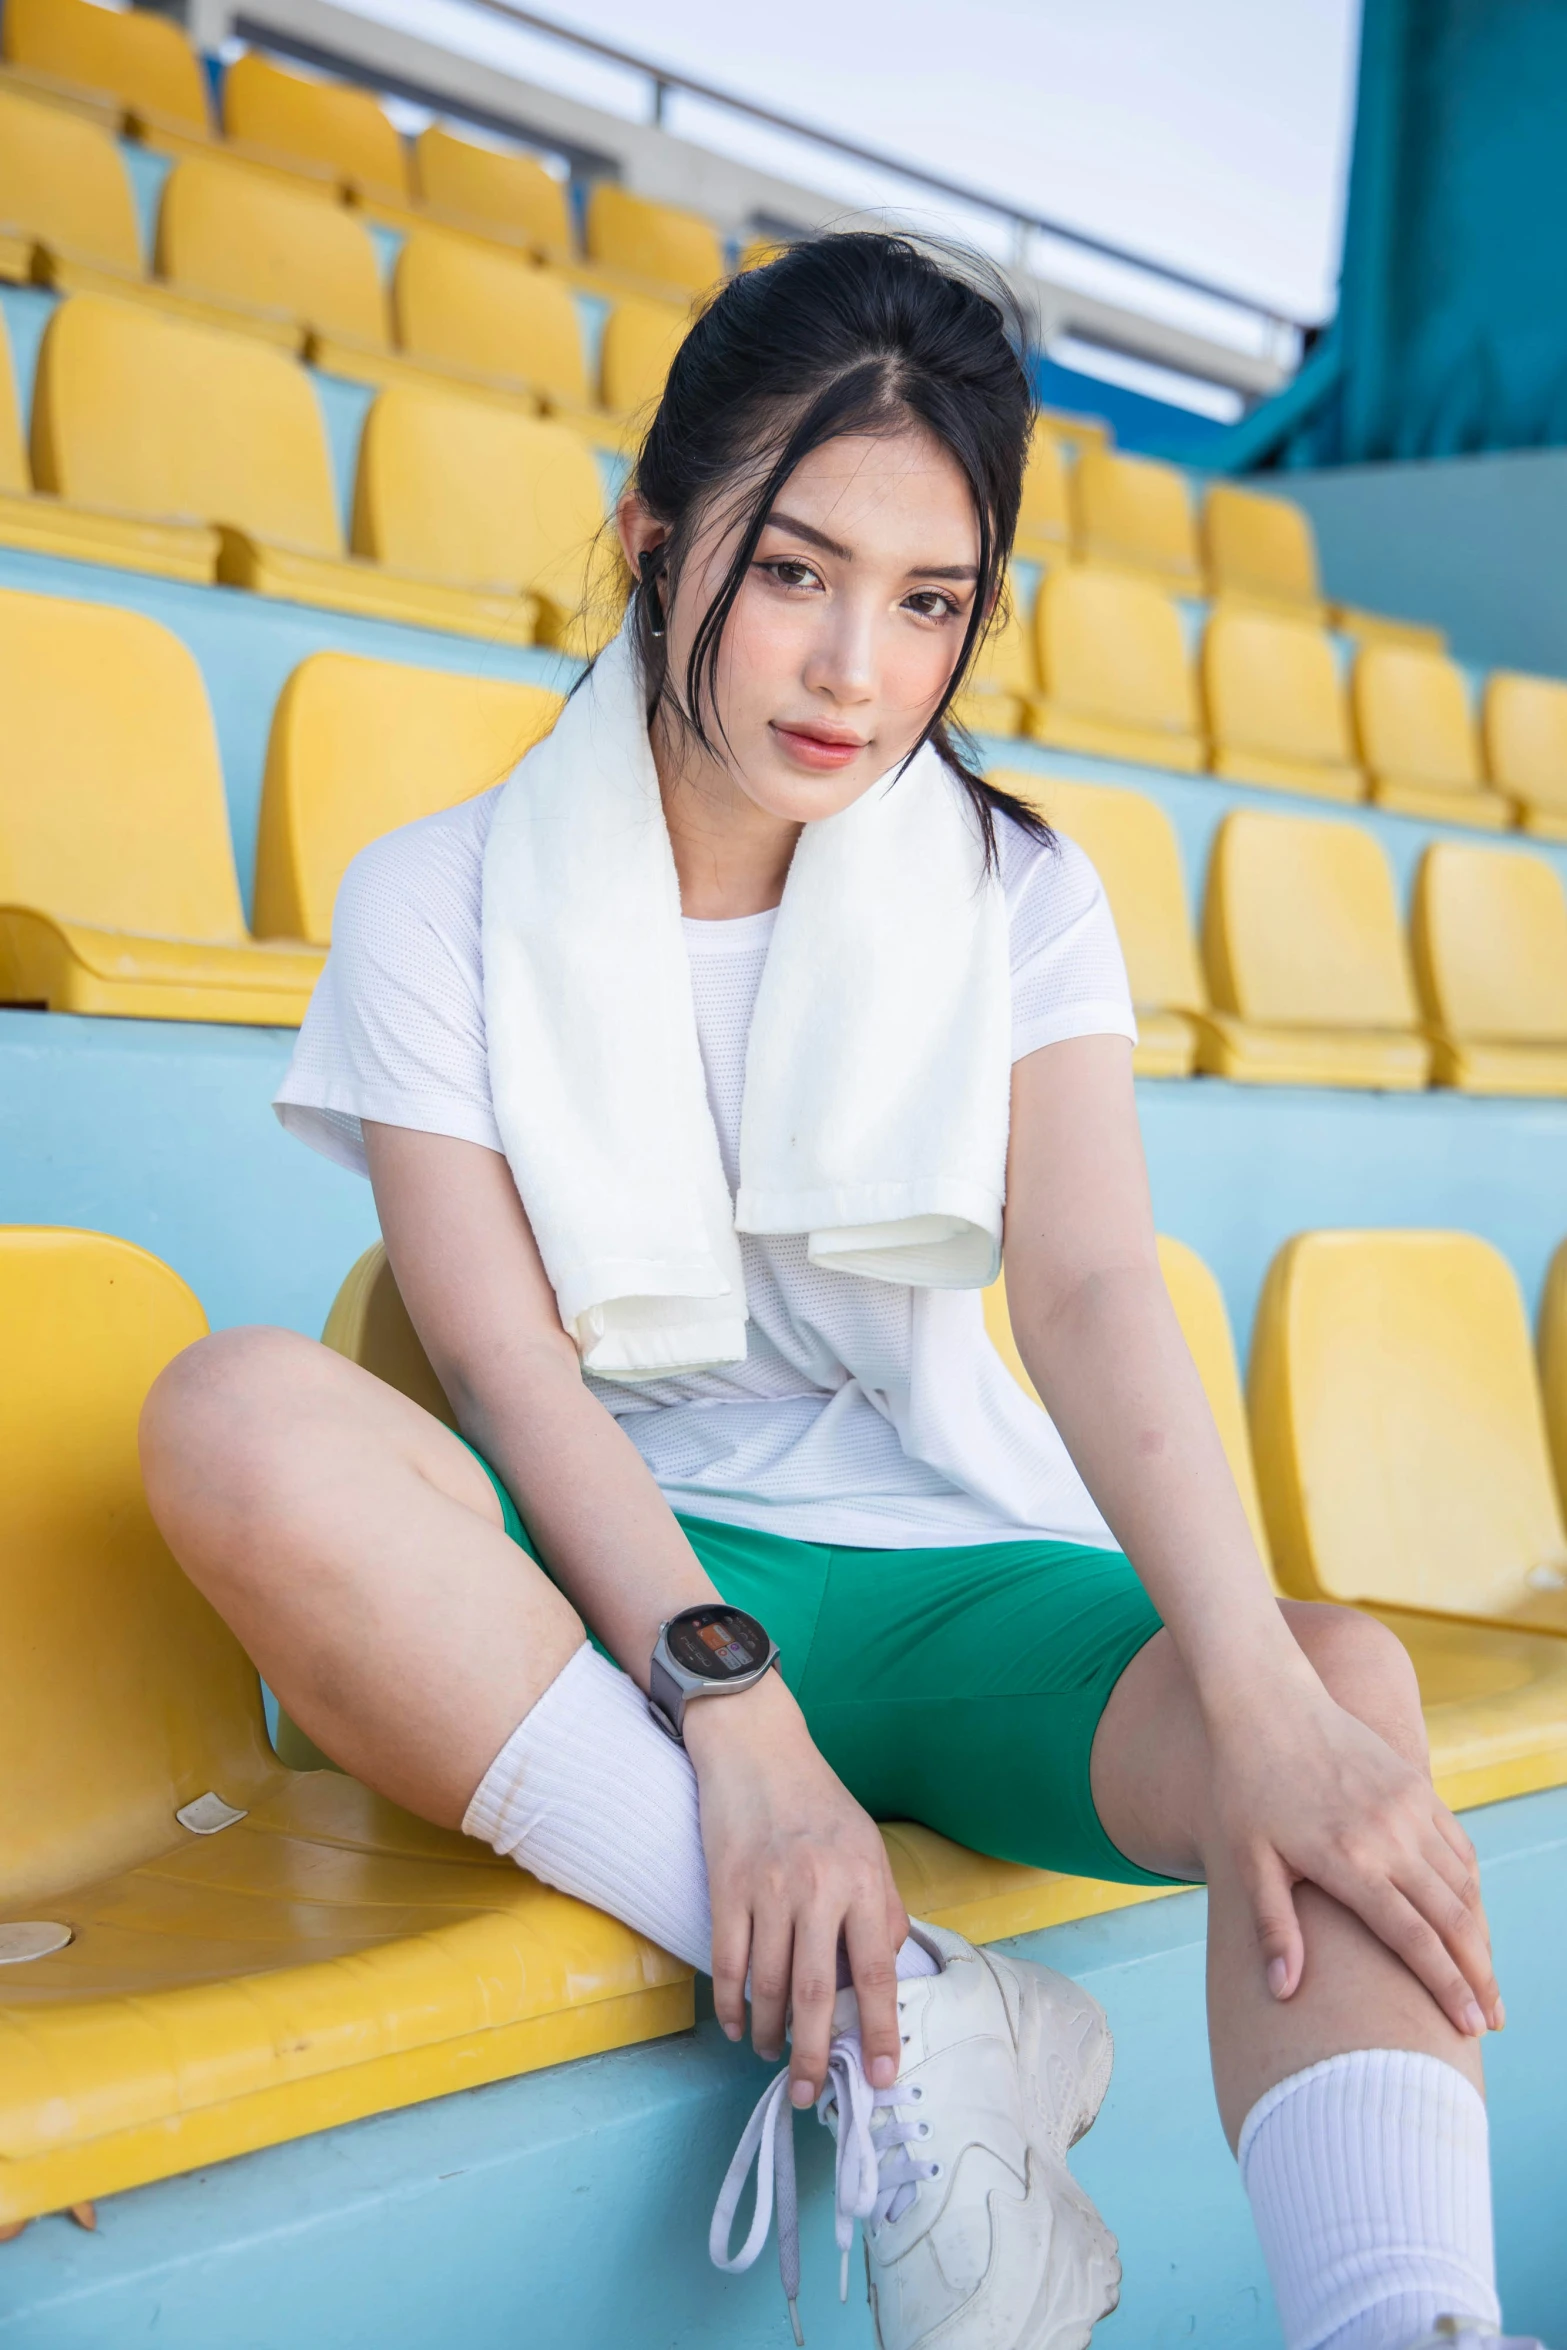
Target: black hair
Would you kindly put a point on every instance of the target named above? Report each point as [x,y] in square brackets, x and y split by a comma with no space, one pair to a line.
[848,332]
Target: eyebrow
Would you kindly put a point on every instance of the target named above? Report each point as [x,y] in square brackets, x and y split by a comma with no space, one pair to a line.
[819,538]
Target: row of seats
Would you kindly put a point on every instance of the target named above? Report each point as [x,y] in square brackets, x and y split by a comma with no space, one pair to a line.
[118,891]
[1304,977]
[226,1953]
[170,448]
[135,73]
[1101,664]
[266,256]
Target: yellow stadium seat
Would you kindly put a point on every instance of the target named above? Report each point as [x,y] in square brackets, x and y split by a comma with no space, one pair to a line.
[1277,713]
[117,886]
[1306,962]
[1261,551]
[1524,723]
[654,241]
[1399,1434]
[273,257]
[1133,847]
[1495,1701]
[1077,432]
[66,209]
[640,340]
[512,197]
[1488,929]
[489,318]
[981,1898]
[318,126]
[492,502]
[254,1953]
[1002,682]
[1418,741]
[1135,514]
[1115,677]
[154,418]
[1044,521]
[359,747]
[1553,1364]
[139,61]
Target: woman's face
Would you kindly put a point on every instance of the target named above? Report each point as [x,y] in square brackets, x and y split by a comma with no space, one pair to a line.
[846,629]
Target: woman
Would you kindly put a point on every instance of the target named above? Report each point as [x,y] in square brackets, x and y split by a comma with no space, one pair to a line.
[691,1068]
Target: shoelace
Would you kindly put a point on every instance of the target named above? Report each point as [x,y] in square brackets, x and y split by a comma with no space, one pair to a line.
[876,2176]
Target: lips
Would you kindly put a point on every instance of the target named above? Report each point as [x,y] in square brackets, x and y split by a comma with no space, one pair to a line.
[821,750]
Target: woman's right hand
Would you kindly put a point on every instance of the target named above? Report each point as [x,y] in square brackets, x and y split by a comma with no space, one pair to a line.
[794,1866]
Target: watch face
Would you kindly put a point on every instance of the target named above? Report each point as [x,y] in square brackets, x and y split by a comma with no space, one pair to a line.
[720,1643]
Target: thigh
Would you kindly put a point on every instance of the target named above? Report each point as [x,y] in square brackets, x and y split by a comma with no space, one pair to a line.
[963,1689]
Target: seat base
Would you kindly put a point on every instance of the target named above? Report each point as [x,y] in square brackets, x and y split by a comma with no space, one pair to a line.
[1378,628]
[1495,1703]
[1144,746]
[69,273]
[1170,583]
[1368,1060]
[1472,1065]
[1543,823]
[368,363]
[48,89]
[73,967]
[44,525]
[345,583]
[1238,596]
[998,714]
[1166,1044]
[1485,811]
[1319,779]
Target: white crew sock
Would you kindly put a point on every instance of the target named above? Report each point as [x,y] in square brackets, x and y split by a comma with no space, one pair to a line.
[1370,2184]
[590,1796]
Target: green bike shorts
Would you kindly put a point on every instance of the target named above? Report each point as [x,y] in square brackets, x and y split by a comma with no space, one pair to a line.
[960,1688]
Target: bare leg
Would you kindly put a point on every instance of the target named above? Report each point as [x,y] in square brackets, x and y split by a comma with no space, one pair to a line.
[357,1550]
[1150,1782]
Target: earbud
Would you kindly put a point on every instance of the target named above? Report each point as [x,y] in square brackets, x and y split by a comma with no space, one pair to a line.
[650,563]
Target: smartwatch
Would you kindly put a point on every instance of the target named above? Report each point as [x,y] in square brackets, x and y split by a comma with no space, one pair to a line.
[711,1651]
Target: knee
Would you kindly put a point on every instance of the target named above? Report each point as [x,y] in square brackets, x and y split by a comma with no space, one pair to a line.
[1365,1667]
[217,1417]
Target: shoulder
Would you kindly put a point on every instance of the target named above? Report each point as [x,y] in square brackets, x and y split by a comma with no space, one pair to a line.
[432,866]
[1048,884]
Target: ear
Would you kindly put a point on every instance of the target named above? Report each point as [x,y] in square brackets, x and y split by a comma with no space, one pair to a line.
[638,531]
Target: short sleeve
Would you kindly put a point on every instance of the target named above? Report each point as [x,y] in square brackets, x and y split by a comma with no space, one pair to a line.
[395,1029]
[1068,973]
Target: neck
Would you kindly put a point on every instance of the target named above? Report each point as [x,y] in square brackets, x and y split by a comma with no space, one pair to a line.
[731,857]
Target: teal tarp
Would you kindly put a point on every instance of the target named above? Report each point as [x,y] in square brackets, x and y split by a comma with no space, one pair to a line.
[1451,335]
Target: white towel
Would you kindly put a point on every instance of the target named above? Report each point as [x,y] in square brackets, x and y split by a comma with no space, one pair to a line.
[877,1070]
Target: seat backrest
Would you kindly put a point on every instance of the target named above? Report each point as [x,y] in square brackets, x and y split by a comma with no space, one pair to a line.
[640,339]
[155,417]
[1488,928]
[1136,511]
[122,1695]
[144,61]
[1005,662]
[1112,648]
[513,193]
[369,1324]
[1413,718]
[62,181]
[1525,730]
[1301,927]
[247,236]
[478,494]
[1045,516]
[1553,1364]
[1396,1424]
[359,747]
[1272,685]
[13,449]
[656,240]
[112,810]
[1199,1308]
[1259,546]
[1132,844]
[464,304]
[322,122]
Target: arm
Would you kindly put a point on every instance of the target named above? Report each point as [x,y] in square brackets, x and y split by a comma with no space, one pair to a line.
[1303,1789]
[793,1862]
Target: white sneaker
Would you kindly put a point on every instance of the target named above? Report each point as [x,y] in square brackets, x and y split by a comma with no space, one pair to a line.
[1473,2333]
[977,2237]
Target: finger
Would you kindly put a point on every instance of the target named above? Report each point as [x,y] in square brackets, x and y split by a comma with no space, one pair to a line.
[1434,1900]
[813,1992]
[873,1969]
[1277,1928]
[772,1963]
[1462,1879]
[1410,1935]
[731,1963]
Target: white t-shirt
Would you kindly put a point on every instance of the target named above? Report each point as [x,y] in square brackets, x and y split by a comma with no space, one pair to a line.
[931,1441]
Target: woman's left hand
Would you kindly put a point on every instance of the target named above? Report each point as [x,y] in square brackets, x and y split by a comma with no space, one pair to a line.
[1306,1792]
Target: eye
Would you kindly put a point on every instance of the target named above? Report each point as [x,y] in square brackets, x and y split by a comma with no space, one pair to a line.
[791,571]
[932,604]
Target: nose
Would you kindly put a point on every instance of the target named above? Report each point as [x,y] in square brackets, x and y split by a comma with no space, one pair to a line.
[842,663]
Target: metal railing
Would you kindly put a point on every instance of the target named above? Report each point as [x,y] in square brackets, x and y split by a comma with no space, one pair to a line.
[663,80]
